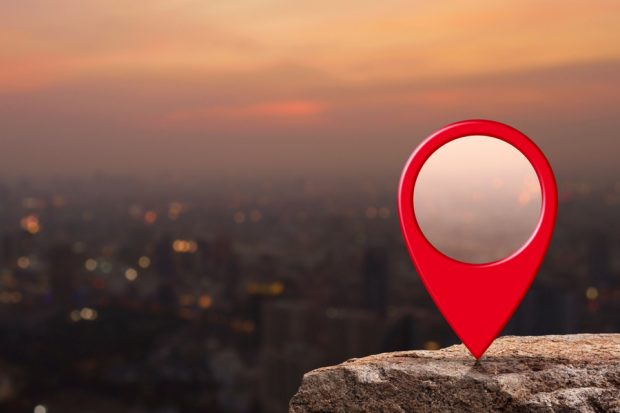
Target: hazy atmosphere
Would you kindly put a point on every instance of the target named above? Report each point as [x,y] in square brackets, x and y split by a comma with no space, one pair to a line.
[477,199]
[198,198]
[241,88]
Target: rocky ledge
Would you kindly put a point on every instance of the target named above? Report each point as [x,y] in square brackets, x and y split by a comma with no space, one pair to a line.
[572,373]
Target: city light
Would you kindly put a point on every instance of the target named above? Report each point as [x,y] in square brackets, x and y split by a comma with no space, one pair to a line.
[184,246]
[75,316]
[30,223]
[205,301]
[40,409]
[90,264]
[174,210]
[144,262]
[431,345]
[8,280]
[150,217]
[273,289]
[276,288]
[131,274]
[592,293]
[88,314]
[235,271]
[23,262]
[193,246]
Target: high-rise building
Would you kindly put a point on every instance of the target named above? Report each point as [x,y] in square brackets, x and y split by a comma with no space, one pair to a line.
[375,279]
[599,261]
[8,252]
[299,336]
[164,259]
[63,269]
[546,309]
[401,335]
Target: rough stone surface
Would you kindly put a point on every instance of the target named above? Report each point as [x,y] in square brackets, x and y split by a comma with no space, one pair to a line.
[572,373]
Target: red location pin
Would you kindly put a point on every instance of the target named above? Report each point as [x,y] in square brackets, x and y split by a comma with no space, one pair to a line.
[477,300]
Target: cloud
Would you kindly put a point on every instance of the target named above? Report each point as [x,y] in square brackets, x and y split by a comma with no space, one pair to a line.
[269,110]
[45,43]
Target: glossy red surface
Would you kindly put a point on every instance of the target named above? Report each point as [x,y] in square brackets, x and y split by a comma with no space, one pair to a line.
[477,300]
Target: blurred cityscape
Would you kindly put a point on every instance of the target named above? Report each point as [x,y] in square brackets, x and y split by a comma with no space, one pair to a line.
[126,295]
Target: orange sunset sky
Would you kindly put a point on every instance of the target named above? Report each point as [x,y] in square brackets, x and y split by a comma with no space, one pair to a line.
[240,87]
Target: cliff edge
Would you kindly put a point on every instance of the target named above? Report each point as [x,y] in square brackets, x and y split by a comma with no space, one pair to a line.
[571,373]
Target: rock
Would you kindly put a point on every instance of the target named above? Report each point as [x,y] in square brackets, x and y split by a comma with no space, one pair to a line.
[572,373]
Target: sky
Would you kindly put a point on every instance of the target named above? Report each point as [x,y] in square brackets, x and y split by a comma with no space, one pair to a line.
[245,88]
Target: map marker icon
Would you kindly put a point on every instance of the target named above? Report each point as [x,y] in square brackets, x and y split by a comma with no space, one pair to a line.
[477,300]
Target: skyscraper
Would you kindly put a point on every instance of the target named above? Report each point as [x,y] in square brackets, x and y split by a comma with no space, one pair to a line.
[63,268]
[375,279]
[599,261]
